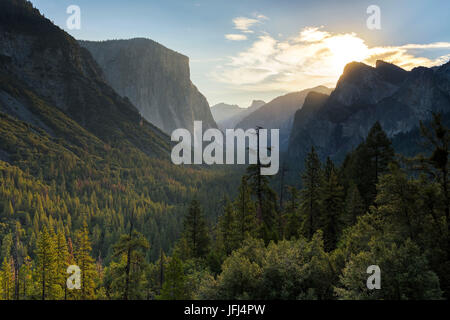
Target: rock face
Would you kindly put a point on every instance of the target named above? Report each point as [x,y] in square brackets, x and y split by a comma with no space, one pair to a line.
[43,71]
[228,116]
[279,113]
[155,79]
[398,99]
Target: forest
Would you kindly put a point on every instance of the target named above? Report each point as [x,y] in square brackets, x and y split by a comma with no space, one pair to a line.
[144,229]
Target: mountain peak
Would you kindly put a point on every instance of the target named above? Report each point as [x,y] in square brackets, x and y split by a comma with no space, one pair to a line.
[223,105]
[365,84]
[257,103]
[354,68]
[390,72]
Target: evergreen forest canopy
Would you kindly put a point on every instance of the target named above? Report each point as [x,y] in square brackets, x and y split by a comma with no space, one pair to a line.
[377,208]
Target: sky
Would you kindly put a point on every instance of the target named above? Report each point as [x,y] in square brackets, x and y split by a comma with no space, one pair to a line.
[243,50]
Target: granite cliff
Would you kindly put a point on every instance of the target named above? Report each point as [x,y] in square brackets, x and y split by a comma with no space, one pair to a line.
[155,79]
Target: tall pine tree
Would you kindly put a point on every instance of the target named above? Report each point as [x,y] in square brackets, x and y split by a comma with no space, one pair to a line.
[196,232]
[312,180]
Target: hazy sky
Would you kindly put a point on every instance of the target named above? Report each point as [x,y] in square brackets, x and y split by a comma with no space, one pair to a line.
[242,50]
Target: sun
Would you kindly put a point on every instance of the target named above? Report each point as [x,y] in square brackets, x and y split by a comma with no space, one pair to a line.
[344,49]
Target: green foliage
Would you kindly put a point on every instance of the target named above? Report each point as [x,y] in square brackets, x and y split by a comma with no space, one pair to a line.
[367,163]
[294,269]
[332,201]
[175,284]
[312,179]
[405,274]
[196,234]
[128,273]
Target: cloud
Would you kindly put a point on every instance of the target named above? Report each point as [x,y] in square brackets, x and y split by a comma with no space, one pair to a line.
[236,37]
[311,58]
[244,24]
[312,34]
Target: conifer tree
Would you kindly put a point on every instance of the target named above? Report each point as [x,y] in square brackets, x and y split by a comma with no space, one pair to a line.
[354,206]
[332,200]
[245,211]
[227,228]
[328,169]
[196,231]
[46,265]
[26,279]
[62,261]
[378,154]
[7,279]
[292,215]
[86,263]
[266,203]
[379,149]
[130,249]
[175,282]
[312,180]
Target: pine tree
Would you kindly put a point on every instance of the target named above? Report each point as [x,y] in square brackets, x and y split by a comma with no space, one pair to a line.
[62,261]
[175,282]
[86,263]
[328,169]
[354,206]
[227,228]
[9,210]
[379,149]
[247,223]
[196,231]
[130,248]
[7,279]
[266,205]
[378,154]
[7,243]
[162,261]
[312,180]
[26,279]
[332,200]
[46,264]
[292,215]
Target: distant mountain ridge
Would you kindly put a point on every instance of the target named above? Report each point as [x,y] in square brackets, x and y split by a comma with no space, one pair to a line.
[279,113]
[44,68]
[397,98]
[228,116]
[155,79]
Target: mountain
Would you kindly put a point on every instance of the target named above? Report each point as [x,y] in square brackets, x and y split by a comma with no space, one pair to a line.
[279,113]
[397,98]
[41,65]
[222,112]
[228,116]
[155,79]
[73,150]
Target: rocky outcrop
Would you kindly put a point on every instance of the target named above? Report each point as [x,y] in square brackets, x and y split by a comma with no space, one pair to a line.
[155,79]
[398,99]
